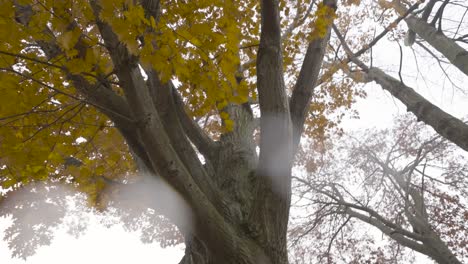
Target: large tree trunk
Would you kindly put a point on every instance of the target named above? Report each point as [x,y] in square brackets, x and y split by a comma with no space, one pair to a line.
[234,163]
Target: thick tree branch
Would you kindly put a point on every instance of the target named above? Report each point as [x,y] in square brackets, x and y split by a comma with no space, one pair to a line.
[141,103]
[307,80]
[394,234]
[297,21]
[445,124]
[271,209]
[428,9]
[163,97]
[271,87]
[178,123]
[448,47]
[111,104]
[457,55]
[210,225]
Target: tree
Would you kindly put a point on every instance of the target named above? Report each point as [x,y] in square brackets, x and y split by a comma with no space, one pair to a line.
[405,181]
[136,79]
[445,124]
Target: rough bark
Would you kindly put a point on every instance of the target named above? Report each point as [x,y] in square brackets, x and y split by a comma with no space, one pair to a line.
[457,55]
[176,164]
[445,124]
[307,80]
[270,213]
[428,243]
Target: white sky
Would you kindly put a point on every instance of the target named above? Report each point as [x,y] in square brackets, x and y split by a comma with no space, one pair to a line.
[98,245]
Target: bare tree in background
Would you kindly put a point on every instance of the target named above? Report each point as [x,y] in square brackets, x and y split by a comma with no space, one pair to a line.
[406,182]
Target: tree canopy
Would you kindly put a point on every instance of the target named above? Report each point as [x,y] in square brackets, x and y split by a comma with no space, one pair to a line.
[216,101]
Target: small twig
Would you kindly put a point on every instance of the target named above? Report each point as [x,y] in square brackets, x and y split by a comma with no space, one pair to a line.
[334,236]
[401,63]
[382,34]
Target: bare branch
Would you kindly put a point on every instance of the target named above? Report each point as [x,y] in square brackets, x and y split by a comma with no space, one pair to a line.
[457,55]
[445,124]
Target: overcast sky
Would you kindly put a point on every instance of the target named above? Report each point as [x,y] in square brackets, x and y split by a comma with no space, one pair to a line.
[98,245]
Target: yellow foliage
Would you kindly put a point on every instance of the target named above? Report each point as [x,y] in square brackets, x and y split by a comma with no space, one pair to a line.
[68,40]
[201,44]
[324,16]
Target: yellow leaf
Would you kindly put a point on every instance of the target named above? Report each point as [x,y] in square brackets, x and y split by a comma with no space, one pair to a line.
[229,125]
[224,115]
[67,40]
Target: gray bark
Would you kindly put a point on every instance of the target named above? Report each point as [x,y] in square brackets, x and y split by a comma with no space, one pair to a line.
[307,80]
[429,243]
[457,55]
[270,212]
[445,124]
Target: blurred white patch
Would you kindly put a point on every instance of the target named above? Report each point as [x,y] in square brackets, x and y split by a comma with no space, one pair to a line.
[276,157]
[151,192]
[38,210]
